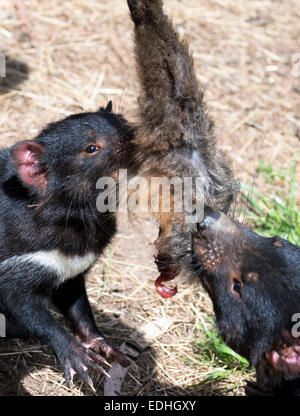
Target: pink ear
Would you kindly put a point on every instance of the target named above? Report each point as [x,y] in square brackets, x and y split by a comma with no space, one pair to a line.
[27,156]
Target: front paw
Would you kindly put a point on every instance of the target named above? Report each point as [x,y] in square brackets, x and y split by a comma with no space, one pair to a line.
[78,359]
[100,346]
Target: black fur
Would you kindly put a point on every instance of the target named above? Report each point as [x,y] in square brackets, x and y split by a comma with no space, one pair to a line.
[254,284]
[48,202]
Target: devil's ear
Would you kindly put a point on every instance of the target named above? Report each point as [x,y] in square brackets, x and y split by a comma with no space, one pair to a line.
[108,108]
[27,156]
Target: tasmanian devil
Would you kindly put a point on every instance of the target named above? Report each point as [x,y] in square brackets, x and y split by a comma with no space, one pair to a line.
[51,233]
[254,284]
[174,136]
[253,281]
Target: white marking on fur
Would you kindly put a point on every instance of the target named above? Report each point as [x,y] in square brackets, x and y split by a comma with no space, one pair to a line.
[196,160]
[64,266]
[200,168]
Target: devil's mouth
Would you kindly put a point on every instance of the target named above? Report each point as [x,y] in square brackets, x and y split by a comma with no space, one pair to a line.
[163,290]
[286,360]
[167,273]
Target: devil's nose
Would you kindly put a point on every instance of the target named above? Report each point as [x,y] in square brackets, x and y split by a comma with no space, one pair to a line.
[209,220]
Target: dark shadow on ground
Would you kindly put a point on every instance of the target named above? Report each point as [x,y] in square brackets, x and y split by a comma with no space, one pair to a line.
[20,358]
[16,72]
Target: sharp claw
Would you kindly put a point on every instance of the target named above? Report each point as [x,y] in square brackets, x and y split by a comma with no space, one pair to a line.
[70,384]
[105,373]
[91,385]
[88,382]
[104,361]
[99,358]
[69,378]
[99,369]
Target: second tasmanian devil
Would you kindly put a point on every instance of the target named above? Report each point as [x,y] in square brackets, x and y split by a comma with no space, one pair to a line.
[254,285]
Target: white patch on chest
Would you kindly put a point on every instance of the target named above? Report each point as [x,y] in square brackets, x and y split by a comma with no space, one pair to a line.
[64,266]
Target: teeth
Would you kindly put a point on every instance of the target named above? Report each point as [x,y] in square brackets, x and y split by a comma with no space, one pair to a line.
[173,283]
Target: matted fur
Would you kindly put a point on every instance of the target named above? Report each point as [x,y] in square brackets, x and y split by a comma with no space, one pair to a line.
[174,135]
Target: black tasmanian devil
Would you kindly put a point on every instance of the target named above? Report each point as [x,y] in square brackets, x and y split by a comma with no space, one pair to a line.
[254,284]
[51,233]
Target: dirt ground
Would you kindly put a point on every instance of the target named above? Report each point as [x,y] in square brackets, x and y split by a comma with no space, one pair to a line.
[73,56]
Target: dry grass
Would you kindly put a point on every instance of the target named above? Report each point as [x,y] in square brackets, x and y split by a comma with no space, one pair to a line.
[79,55]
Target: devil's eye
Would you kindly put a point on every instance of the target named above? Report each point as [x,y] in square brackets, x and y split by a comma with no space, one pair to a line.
[237,287]
[92,148]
